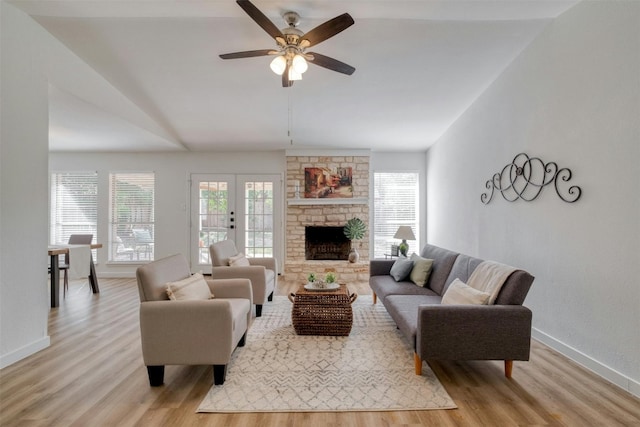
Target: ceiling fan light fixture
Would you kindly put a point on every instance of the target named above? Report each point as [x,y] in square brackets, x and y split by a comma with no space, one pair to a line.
[294,75]
[278,65]
[299,64]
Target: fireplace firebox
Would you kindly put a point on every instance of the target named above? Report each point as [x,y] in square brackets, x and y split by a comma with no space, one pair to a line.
[325,243]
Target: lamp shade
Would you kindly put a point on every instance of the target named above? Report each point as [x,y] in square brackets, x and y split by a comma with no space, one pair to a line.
[404,233]
[294,75]
[278,65]
[299,64]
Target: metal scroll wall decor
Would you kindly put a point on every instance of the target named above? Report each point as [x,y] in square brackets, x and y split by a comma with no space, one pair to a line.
[525,177]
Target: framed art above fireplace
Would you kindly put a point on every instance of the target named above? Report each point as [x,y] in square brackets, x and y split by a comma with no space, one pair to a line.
[327,183]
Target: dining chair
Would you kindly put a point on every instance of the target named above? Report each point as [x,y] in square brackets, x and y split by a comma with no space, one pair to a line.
[74,239]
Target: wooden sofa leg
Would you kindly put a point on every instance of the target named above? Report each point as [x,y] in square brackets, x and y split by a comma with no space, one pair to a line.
[258,310]
[375,298]
[418,363]
[270,297]
[156,375]
[219,374]
[508,368]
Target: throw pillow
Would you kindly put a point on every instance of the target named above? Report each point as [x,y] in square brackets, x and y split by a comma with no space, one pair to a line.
[401,269]
[459,292]
[421,270]
[239,260]
[193,287]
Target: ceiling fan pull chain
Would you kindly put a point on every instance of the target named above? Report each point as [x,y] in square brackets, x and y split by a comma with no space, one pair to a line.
[289,119]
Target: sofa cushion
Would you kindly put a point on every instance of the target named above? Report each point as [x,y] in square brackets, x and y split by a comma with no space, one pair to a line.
[513,291]
[459,292]
[421,270]
[462,269]
[386,285]
[401,269]
[403,309]
[191,288]
[443,260]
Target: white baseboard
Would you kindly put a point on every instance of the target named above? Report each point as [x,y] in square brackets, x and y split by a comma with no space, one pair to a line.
[589,363]
[27,350]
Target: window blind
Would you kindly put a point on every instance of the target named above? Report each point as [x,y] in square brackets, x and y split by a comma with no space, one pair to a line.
[74,205]
[131,216]
[396,203]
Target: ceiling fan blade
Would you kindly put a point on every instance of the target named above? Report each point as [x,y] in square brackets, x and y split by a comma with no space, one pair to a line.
[326,30]
[260,19]
[331,64]
[285,78]
[248,54]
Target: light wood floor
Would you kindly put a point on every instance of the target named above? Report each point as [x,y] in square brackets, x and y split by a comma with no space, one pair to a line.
[93,375]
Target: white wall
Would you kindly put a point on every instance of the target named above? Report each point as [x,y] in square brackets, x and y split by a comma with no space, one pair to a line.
[23,188]
[572,97]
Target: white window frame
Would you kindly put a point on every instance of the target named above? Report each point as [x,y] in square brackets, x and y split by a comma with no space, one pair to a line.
[69,215]
[386,216]
[132,238]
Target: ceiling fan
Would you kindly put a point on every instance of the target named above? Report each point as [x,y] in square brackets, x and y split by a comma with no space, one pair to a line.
[291,57]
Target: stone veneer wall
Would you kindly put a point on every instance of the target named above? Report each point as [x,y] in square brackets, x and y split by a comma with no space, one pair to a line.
[297,217]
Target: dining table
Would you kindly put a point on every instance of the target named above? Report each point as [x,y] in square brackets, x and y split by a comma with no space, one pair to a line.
[54,254]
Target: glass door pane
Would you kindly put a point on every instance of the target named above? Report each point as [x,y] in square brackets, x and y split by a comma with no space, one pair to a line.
[212,214]
[258,218]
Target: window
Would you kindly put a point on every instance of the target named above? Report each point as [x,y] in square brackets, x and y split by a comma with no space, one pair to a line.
[74,205]
[131,217]
[396,202]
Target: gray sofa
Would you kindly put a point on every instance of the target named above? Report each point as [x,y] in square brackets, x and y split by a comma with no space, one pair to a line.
[456,332]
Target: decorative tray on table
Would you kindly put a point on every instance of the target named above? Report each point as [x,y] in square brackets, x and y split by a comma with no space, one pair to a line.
[322,287]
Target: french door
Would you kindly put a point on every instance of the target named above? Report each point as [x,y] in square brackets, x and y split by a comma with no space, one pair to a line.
[242,208]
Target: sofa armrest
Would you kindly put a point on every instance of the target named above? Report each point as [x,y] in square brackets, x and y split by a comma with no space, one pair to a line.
[231,288]
[191,332]
[380,267]
[474,332]
[268,263]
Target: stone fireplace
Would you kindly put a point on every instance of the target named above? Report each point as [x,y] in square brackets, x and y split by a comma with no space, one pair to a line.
[325,243]
[327,217]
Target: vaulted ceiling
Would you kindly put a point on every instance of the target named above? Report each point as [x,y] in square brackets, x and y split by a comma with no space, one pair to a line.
[419,65]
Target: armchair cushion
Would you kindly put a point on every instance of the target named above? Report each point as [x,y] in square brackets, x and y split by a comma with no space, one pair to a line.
[192,287]
[239,260]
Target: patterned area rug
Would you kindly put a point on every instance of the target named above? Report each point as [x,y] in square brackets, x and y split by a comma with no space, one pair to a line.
[370,370]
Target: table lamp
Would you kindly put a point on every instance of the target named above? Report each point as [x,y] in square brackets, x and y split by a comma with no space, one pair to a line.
[404,233]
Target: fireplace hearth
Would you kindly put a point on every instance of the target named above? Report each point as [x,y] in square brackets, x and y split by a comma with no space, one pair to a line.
[325,243]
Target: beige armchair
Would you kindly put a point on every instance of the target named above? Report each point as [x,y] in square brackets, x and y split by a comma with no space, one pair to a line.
[190,332]
[262,272]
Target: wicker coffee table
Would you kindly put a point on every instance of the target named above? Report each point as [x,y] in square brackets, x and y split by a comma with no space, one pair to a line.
[322,312]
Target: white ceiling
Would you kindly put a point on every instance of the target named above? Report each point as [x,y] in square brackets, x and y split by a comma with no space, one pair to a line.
[419,65]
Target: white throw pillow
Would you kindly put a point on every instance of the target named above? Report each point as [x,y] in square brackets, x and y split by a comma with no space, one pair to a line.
[459,292]
[193,287]
[239,261]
